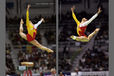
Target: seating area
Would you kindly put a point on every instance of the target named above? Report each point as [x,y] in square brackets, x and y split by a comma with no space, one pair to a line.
[10,69]
[43,61]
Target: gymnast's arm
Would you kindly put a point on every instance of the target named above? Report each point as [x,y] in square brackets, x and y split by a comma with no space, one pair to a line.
[93,17]
[74,16]
[39,22]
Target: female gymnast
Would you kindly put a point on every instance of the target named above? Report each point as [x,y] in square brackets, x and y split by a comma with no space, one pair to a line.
[81,27]
[32,31]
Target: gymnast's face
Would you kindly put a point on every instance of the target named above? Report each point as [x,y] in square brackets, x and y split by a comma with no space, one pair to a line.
[84,19]
[30,22]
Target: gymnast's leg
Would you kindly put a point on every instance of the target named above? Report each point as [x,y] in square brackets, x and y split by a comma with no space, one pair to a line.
[93,33]
[37,44]
[80,38]
[23,35]
[83,38]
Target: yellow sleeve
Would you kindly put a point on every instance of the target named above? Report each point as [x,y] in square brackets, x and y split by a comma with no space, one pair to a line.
[74,17]
[27,18]
[29,26]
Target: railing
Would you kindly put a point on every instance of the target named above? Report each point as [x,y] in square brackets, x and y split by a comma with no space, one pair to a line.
[99,73]
[37,74]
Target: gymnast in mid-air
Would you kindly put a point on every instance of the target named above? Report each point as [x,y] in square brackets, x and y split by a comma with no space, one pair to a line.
[32,31]
[81,27]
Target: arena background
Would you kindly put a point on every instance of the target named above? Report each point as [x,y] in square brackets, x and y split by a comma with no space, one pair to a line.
[19,50]
[87,59]
[2,38]
[91,15]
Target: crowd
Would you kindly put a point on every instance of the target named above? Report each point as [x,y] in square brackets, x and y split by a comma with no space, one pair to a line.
[43,62]
[10,69]
[96,59]
[50,37]
[65,60]
[64,64]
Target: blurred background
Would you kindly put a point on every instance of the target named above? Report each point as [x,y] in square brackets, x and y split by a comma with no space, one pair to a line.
[74,57]
[86,58]
[19,50]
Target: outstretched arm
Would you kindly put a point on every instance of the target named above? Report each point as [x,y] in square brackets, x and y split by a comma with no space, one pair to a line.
[39,22]
[74,16]
[27,15]
[93,17]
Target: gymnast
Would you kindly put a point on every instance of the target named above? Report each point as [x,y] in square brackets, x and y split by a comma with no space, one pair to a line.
[32,31]
[81,27]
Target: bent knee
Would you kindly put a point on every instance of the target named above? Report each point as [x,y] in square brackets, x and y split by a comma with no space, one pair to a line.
[20,33]
[88,39]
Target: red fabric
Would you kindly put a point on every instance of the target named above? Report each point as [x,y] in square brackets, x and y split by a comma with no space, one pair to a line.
[30,72]
[24,73]
[82,31]
[30,38]
[27,73]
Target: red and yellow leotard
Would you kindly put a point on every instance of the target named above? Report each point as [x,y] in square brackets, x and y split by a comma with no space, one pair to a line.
[80,30]
[30,28]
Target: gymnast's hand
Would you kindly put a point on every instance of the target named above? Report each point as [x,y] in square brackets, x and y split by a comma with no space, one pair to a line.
[72,8]
[28,6]
[43,19]
[99,10]
[21,22]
